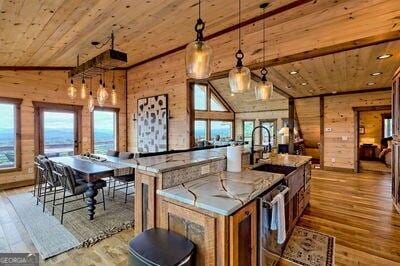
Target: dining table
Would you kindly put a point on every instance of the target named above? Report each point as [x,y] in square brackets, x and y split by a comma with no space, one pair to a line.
[93,170]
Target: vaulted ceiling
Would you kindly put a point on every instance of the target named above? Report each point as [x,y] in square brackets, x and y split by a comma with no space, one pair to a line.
[338,72]
[53,32]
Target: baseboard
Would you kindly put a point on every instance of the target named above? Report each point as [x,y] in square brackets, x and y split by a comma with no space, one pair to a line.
[17,184]
[338,169]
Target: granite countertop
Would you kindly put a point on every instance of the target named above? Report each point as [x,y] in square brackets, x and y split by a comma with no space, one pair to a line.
[223,193]
[286,160]
[168,162]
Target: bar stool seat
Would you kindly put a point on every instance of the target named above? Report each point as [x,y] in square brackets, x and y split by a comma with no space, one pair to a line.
[160,247]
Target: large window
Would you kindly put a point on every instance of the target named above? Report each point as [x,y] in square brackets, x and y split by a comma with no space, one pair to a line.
[59,133]
[387,125]
[248,126]
[200,130]
[271,126]
[200,97]
[221,130]
[104,131]
[9,134]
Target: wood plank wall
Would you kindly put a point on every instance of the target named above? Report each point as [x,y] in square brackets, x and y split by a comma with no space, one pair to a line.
[339,117]
[300,34]
[308,114]
[51,86]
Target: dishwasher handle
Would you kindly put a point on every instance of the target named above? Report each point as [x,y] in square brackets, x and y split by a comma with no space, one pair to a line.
[282,190]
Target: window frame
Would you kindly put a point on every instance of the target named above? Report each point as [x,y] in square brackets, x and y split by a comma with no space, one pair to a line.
[386,116]
[221,120]
[274,134]
[116,126]
[207,97]
[207,128]
[17,122]
[243,122]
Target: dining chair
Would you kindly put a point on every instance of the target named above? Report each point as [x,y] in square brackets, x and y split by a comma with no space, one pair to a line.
[75,186]
[126,180]
[112,153]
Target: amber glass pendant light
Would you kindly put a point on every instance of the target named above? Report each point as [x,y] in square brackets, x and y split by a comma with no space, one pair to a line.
[91,98]
[239,76]
[83,88]
[264,88]
[102,94]
[113,92]
[199,55]
[72,91]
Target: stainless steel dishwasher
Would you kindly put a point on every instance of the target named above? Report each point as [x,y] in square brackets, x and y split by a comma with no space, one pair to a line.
[269,251]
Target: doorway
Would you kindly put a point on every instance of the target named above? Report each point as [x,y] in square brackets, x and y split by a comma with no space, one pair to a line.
[57,129]
[373,139]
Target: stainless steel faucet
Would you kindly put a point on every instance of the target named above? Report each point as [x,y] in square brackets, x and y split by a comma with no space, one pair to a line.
[252,143]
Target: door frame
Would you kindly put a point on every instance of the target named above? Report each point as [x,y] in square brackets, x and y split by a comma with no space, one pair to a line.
[357,111]
[40,107]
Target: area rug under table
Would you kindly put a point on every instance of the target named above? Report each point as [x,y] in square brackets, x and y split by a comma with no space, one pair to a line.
[311,248]
[51,238]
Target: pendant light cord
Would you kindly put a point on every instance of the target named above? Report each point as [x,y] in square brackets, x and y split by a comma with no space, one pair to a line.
[199,9]
[264,39]
[240,28]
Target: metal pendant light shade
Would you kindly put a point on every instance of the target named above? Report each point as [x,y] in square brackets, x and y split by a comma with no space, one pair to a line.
[264,88]
[199,55]
[239,76]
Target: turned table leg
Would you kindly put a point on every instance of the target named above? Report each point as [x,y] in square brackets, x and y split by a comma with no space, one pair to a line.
[91,193]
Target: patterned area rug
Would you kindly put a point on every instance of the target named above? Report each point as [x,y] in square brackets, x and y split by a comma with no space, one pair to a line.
[51,238]
[307,247]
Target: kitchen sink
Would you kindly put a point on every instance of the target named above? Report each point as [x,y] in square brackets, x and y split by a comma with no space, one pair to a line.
[279,169]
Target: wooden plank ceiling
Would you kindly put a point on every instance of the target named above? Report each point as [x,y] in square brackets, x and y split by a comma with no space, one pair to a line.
[246,102]
[335,73]
[52,32]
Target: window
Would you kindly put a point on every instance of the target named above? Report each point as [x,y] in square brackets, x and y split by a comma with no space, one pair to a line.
[59,133]
[200,97]
[387,126]
[223,129]
[9,134]
[248,126]
[271,126]
[216,105]
[200,130]
[104,130]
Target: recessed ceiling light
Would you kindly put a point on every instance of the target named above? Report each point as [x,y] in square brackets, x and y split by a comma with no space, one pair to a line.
[334,92]
[371,83]
[384,56]
[293,72]
[304,83]
[376,74]
[232,94]
[288,87]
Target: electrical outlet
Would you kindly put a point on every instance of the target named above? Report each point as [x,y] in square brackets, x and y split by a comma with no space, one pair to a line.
[30,170]
[205,169]
[333,160]
[345,138]
[328,129]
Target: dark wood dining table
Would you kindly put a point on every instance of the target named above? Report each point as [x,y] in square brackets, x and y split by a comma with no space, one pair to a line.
[91,172]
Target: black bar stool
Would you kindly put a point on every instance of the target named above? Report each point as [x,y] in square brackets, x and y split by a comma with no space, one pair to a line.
[160,247]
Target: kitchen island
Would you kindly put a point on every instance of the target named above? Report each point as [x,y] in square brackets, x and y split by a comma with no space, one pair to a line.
[220,211]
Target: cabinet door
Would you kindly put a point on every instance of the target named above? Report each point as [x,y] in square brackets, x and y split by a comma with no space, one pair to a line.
[396,107]
[243,236]
[395,173]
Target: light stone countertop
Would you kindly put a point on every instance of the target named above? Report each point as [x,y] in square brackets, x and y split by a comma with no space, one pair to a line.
[286,160]
[169,162]
[225,192]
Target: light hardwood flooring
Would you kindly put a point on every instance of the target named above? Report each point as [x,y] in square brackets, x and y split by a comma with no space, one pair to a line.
[354,208]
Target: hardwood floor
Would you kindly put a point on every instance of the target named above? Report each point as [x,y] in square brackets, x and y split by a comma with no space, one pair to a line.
[354,208]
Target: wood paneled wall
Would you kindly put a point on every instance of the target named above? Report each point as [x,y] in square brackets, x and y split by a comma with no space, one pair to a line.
[317,24]
[339,117]
[51,86]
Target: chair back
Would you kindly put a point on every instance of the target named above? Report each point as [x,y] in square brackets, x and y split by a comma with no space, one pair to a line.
[40,166]
[48,171]
[126,155]
[112,153]
[66,176]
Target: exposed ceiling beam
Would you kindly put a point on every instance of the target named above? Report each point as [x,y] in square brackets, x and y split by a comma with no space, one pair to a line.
[256,78]
[345,92]
[35,68]
[337,48]
[274,12]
